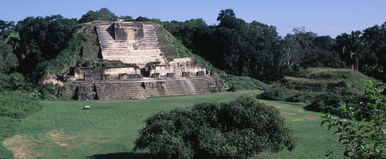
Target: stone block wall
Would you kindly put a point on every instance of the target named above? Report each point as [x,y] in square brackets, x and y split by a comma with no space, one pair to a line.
[114,72]
[119,90]
[140,89]
[178,67]
[83,73]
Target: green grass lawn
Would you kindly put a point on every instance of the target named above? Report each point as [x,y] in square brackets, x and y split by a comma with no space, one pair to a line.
[108,130]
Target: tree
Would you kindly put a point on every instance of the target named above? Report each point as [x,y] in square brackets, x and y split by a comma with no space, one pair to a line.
[6,25]
[145,19]
[364,139]
[374,39]
[239,129]
[226,17]
[8,60]
[42,39]
[350,47]
[289,58]
[126,18]
[102,14]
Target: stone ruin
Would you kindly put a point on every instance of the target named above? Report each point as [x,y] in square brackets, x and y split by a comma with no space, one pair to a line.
[136,66]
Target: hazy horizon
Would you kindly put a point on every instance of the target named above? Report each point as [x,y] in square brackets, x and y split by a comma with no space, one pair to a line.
[324,18]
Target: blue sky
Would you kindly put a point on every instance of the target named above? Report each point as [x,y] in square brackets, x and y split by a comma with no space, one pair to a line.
[325,17]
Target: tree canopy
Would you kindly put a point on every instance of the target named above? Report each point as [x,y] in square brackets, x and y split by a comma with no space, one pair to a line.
[102,14]
[255,49]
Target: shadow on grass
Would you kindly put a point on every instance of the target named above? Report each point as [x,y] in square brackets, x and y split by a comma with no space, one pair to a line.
[122,155]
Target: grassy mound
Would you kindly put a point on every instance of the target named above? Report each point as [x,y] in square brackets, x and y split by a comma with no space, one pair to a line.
[173,48]
[13,107]
[313,82]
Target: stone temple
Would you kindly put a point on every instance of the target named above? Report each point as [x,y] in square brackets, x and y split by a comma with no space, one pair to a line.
[139,62]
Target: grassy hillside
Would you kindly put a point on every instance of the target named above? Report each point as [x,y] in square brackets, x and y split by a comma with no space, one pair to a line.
[312,82]
[108,130]
[173,48]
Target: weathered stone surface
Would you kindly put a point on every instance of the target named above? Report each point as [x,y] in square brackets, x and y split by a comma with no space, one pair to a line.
[200,73]
[119,90]
[86,91]
[129,42]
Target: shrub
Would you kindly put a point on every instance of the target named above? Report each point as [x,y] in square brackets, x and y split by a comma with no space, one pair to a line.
[238,129]
[13,81]
[326,103]
[330,102]
[365,139]
[301,97]
[275,93]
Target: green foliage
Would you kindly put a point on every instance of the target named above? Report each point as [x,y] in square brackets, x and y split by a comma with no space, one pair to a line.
[329,103]
[42,40]
[364,139]
[254,49]
[102,14]
[12,81]
[314,84]
[366,49]
[238,129]
[274,93]
[47,91]
[234,82]
[145,19]
[8,60]
[126,18]
[63,60]
[92,63]
[235,46]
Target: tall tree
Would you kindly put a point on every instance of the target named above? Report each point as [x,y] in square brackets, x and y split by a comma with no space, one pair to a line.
[102,14]
[8,60]
[350,48]
[42,39]
[375,50]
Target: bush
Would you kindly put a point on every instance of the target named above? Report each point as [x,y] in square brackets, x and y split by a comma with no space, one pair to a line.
[301,97]
[275,93]
[364,139]
[330,102]
[238,129]
[13,81]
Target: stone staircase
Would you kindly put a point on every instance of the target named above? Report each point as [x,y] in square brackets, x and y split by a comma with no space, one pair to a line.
[138,52]
[179,87]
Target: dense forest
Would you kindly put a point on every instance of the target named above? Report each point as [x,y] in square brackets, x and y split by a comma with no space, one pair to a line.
[37,46]
[255,49]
